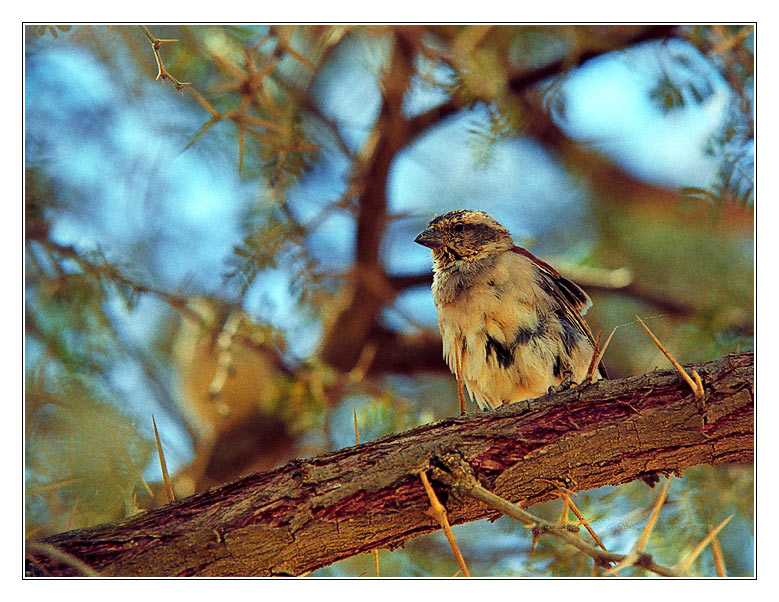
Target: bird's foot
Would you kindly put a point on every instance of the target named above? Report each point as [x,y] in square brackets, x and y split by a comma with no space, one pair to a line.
[566,384]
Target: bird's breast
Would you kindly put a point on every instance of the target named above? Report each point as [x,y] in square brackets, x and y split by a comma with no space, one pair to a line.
[493,324]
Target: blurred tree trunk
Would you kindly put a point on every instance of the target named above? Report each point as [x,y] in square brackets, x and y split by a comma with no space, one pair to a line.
[311,513]
[368,290]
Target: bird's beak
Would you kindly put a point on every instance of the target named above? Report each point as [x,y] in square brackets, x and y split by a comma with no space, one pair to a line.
[430,238]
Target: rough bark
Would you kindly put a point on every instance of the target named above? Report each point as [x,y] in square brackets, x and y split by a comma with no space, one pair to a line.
[313,512]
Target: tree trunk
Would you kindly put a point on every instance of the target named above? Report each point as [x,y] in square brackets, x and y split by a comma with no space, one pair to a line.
[313,512]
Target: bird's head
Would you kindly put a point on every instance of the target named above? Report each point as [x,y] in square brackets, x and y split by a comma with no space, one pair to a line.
[464,235]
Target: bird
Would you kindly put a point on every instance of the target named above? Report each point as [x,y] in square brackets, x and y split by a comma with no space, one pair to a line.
[511,325]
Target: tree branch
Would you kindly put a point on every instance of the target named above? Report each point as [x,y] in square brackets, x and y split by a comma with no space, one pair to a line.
[525,80]
[632,37]
[313,512]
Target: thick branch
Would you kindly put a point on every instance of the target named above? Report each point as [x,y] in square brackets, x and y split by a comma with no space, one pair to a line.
[311,513]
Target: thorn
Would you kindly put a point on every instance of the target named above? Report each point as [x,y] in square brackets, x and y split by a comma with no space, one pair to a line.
[697,388]
[690,558]
[699,383]
[638,547]
[536,536]
[719,559]
[650,525]
[597,355]
[165,477]
[356,427]
[570,503]
[564,517]
[602,352]
[438,512]
[591,367]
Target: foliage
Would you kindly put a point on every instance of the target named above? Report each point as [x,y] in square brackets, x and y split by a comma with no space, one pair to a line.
[84,456]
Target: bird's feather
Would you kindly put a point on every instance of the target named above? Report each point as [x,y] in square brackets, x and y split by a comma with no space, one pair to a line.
[572,299]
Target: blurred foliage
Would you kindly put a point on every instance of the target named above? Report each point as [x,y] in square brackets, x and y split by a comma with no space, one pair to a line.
[84,456]
[221,340]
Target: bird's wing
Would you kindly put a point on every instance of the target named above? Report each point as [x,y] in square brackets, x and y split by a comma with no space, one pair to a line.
[573,301]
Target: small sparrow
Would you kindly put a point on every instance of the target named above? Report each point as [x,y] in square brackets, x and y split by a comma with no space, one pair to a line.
[511,325]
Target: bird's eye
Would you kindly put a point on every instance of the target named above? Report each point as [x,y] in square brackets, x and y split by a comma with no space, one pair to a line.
[459,228]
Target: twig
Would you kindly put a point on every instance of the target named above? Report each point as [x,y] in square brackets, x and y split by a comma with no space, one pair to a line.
[51,486]
[438,512]
[162,73]
[362,366]
[729,42]
[109,272]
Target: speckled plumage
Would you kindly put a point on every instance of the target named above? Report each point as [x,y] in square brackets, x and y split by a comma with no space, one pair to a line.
[510,321]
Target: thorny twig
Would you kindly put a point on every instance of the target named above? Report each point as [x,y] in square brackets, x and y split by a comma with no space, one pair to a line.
[458,475]
[461,478]
[162,73]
